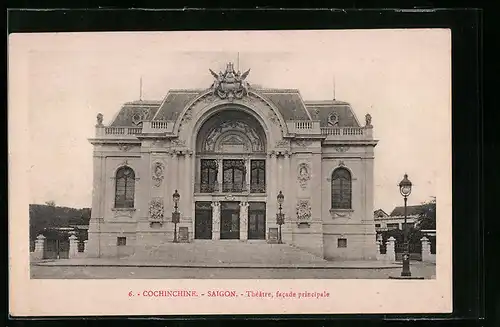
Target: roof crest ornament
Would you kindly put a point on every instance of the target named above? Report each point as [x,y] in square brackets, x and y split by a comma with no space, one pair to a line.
[230,84]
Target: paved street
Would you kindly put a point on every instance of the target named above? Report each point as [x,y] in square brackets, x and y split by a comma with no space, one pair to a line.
[418,269]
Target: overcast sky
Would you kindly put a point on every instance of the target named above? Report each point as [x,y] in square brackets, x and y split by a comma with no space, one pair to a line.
[401,77]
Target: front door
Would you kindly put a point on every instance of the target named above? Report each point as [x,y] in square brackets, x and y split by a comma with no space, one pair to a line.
[257,221]
[230,221]
[203,221]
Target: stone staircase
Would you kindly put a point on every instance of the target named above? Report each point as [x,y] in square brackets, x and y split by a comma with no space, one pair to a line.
[225,252]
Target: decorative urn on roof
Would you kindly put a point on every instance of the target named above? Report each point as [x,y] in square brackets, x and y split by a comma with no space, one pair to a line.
[230,84]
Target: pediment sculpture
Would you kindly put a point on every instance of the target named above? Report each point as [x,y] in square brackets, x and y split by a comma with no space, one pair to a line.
[230,84]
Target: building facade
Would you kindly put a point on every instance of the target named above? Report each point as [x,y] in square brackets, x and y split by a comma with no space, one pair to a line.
[228,151]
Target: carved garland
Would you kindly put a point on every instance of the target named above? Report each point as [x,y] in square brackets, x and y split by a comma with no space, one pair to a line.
[156,210]
[303,211]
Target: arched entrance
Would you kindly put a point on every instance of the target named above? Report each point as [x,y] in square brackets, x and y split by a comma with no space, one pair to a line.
[230,188]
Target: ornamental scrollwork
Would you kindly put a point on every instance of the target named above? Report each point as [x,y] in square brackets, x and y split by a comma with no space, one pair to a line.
[304,143]
[303,175]
[177,142]
[158,172]
[156,210]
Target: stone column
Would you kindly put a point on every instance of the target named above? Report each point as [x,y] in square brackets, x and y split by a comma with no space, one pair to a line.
[220,177]
[188,190]
[73,247]
[174,173]
[247,174]
[39,247]
[287,205]
[243,221]
[271,194]
[216,220]
[391,249]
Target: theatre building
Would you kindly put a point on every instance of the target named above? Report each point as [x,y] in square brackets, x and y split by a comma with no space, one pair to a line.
[228,151]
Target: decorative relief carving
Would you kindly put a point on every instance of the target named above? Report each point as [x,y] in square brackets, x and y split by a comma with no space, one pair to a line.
[339,213]
[303,143]
[303,175]
[283,144]
[303,211]
[230,84]
[156,210]
[158,169]
[139,116]
[177,142]
[342,148]
[333,119]
[216,213]
[123,212]
[235,127]
[124,147]
[272,118]
[341,163]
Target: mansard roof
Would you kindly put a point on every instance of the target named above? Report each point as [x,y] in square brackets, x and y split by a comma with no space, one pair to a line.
[320,110]
[410,210]
[146,108]
[288,101]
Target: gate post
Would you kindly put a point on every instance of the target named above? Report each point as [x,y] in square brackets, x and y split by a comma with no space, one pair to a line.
[73,247]
[391,249]
[426,251]
[39,247]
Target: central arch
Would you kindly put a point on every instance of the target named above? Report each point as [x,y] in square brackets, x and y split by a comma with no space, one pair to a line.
[230,156]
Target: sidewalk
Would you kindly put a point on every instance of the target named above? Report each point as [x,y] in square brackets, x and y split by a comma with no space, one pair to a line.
[125,262]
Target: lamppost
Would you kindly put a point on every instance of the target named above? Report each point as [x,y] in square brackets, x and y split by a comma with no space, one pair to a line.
[175,215]
[280,217]
[405,190]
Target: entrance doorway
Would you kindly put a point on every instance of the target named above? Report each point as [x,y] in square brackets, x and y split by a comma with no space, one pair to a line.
[230,221]
[203,221]
[257,221]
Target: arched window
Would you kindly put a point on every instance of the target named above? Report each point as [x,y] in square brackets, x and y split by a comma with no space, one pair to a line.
[125,188]
[341,189]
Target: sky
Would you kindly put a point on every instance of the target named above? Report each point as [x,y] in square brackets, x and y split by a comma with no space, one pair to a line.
[401,77]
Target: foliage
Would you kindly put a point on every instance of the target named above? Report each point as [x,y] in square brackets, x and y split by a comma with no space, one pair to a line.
[427,215]
[47,216]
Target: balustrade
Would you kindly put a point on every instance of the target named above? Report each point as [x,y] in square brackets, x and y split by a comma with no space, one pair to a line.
[229,188]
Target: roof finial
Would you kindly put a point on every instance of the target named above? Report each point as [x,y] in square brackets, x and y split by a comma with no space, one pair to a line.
[140,90]
[238,62]
[333,87]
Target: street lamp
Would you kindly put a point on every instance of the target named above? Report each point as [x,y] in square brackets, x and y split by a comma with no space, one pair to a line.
[405,190]
[280,217]
[175,215]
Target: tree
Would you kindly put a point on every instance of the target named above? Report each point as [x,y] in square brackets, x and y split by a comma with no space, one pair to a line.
[427,215]
[51,203]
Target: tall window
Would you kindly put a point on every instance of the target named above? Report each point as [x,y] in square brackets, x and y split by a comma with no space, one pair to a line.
[208,175]
[341,189]
[125,188]
[258,176]
[234,175]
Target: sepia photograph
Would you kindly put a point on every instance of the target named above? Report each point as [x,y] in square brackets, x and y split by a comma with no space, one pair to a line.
[209,156]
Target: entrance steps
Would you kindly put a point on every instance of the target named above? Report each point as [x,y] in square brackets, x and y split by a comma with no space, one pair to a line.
[225,252]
